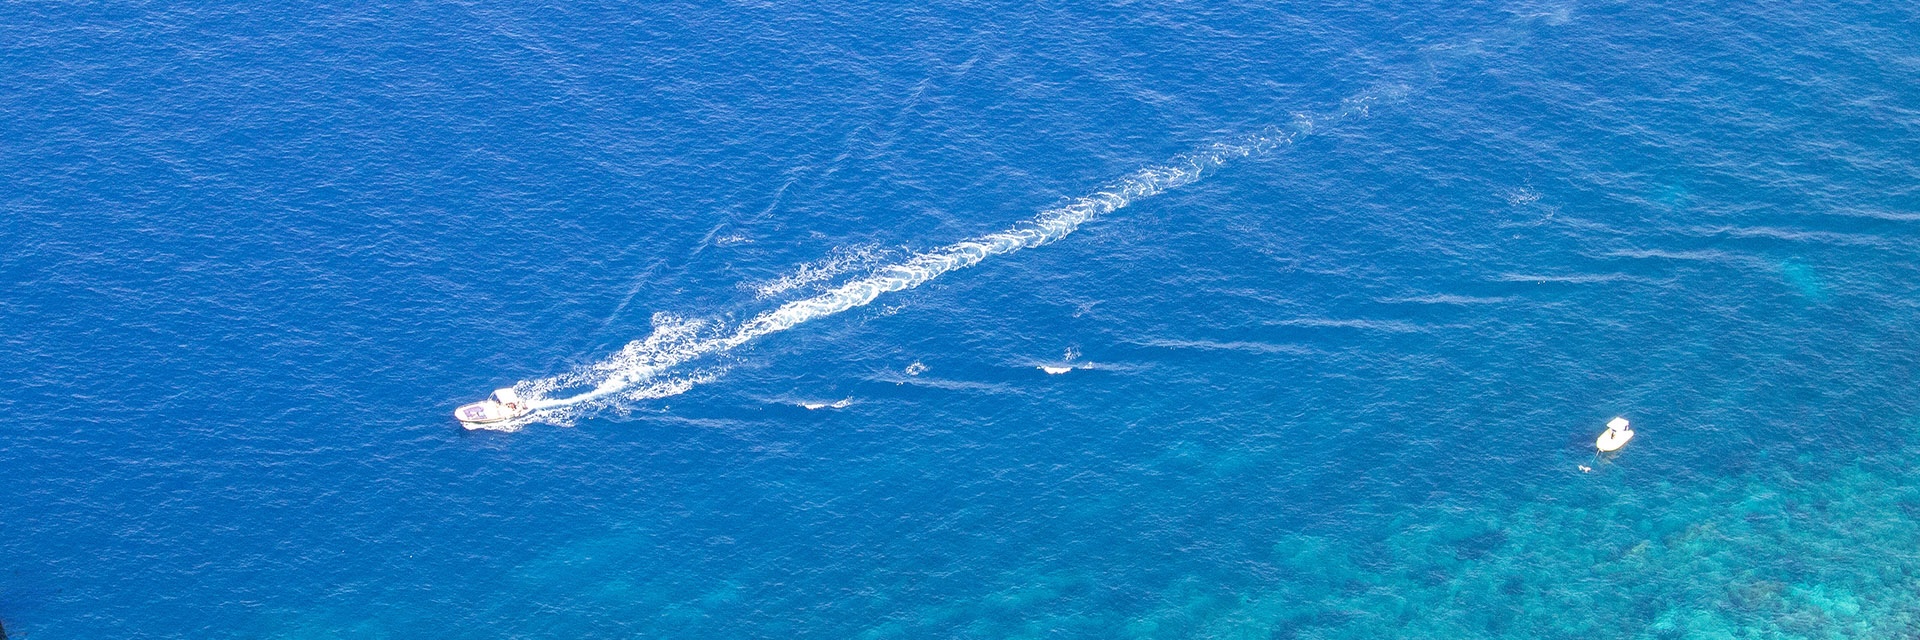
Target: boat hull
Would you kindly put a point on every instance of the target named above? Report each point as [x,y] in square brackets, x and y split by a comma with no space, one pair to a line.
[1612,440]
[483,413]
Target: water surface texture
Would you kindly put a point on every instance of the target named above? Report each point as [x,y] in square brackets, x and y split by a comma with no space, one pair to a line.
[1331,300]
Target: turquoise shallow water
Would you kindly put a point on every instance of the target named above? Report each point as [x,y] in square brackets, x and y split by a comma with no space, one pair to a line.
[1344,295]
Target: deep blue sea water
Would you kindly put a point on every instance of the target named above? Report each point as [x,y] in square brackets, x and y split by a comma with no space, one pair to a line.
[1383,272]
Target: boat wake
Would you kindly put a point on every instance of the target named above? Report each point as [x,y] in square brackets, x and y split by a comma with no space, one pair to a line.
[664,363]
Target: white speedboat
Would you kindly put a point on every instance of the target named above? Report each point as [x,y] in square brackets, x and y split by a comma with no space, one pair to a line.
[502,406]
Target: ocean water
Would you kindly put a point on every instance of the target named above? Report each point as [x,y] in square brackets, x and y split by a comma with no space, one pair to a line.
[1342,294]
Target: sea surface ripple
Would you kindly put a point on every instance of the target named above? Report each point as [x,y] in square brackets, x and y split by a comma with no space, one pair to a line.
[918,321]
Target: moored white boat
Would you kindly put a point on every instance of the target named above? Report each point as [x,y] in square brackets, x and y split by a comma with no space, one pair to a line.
[1616,436]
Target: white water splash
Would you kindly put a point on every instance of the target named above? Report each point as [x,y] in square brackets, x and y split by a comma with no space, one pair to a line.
[840,261]
[816,406]
[649,368]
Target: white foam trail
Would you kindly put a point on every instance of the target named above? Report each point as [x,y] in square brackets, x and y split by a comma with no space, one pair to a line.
[835,264]
[642,368]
